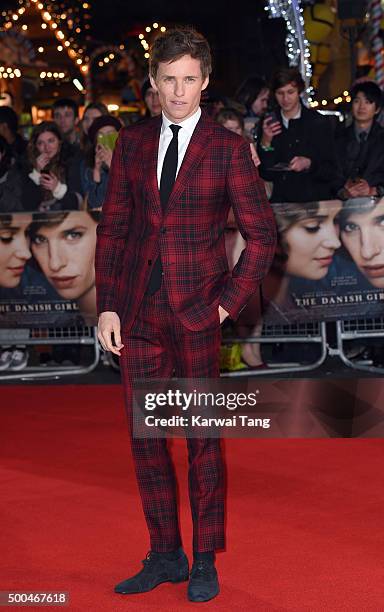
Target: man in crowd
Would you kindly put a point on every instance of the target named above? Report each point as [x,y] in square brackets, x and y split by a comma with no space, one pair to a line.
[163,287]
[66,116]
[296,145]
[151,99]
[360,147]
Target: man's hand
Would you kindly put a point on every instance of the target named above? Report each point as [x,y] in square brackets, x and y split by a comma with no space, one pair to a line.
[300,163]
[357,189]
[270,128]
[223,314]
[109,322]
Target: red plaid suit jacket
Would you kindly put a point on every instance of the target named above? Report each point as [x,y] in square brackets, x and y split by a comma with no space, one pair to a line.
[217,172]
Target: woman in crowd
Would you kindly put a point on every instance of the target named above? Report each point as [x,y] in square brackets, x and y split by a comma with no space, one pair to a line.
[253,94]
[308,235]
[95,168]
[63,244]
[91,112]
[55,178]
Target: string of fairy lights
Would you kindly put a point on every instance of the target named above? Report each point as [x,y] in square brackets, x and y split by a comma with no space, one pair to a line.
[63,21]
[154,28]
[297,45]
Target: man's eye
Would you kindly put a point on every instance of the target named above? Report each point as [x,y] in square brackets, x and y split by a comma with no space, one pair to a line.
[350,227]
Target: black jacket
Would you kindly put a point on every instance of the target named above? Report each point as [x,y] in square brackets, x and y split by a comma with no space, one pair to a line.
[309,136]
[366,162]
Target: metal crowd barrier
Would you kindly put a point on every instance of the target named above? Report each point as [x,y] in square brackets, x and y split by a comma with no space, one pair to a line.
[64,336]
[358,329]
[310,332]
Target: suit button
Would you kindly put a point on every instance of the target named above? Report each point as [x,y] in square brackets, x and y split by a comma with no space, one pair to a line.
[163,230]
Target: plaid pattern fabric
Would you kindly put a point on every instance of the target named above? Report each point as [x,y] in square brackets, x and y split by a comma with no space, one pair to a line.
[217,172]
[157,346]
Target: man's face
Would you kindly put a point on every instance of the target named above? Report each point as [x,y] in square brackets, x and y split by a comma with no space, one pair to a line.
[362,109]
[152,101]
[65,119]
[179,85]
[288,97]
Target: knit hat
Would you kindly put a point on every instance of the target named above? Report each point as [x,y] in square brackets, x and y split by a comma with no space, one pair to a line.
[101,122]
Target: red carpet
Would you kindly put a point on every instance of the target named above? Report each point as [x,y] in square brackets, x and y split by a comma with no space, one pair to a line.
[304,526]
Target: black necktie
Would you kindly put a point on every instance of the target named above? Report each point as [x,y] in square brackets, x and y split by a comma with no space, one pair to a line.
[168,172]
[359,162]
[167,181]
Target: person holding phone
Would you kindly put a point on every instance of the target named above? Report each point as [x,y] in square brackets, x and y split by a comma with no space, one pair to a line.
[54,180]
[95,167]
[296,145]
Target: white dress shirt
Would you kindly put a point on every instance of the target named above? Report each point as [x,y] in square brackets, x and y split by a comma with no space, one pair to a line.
[184,136]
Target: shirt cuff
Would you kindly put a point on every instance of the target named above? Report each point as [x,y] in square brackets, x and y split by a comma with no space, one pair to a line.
[60,191]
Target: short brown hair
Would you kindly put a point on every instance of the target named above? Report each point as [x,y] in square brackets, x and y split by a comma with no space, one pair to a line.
[174,44]
[284,76]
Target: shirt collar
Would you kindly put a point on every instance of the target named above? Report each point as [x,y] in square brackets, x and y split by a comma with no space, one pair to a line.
[359,130]
[286,120]
[188,124]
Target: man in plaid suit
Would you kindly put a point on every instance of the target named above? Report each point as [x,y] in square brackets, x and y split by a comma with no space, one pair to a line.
[163,287]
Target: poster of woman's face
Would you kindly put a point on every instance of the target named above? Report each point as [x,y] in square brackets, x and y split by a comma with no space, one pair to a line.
[329,261]
[47,264]
[14,248]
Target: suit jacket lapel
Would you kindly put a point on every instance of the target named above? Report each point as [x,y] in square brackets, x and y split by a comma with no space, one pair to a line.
[150,149]
[192,158]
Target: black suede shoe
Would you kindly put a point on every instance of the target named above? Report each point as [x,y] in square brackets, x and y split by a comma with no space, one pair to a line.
[157,569]
[203,582]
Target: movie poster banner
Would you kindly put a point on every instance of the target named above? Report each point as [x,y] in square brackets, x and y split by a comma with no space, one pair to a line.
[329,263]
[47,273]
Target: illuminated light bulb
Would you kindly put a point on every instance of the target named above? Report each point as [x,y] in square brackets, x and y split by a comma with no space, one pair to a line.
[43,75]
[49,74]
[78,30]
[111,56]
[59,47]
[84,69]
[55,75]
[141,36]
[163,28]
[155,25]
[67,43]
[18,72]
[63,16]
[85,5]
[348,99]
[54,26]
[40,6]
[24,27]
[47,16]
[121,47]
[79,61]
[15,17]
[43,26]
[2,68]
[324,102]
[5,75]
[40,49]
[9,70]
[101,64]
[106,60]
[345,93]
[148,29]
[60,35]
[146,55]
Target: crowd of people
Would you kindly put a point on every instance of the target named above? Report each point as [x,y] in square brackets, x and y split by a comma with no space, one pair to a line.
[302,156]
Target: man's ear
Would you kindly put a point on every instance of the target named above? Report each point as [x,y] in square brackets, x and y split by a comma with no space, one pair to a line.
[205,83]
[153,82]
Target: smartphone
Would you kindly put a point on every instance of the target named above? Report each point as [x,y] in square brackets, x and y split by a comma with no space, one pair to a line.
[272,117]
[108,140]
